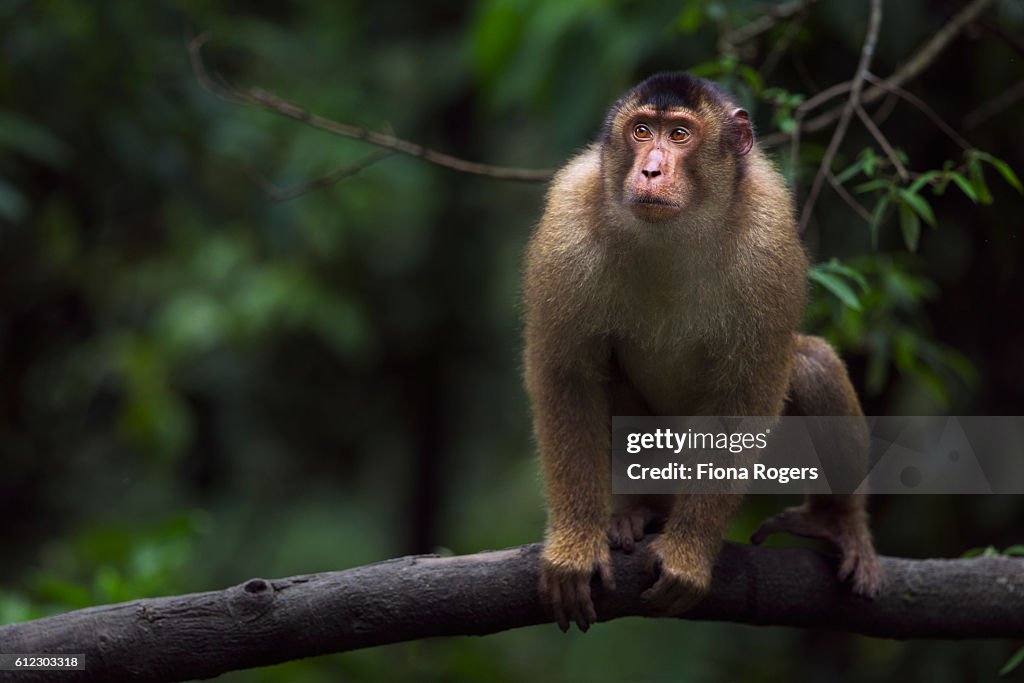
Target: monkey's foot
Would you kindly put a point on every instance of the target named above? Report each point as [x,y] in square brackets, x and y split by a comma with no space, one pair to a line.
[566,593]
[683,580]
[846,530]
[626,528]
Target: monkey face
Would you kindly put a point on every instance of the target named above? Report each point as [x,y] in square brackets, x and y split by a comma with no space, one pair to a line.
[667,152]
[671,143]
[662,147]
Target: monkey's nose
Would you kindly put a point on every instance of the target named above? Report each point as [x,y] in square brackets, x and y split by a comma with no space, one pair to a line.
[651,173]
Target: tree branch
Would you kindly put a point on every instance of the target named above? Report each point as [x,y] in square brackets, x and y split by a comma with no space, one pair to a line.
[262,622]
[924,108]
[997,105]
[262,99]
[283,194]
[769,18]
[883,142]
[848,198]
[917,63]
[852,103]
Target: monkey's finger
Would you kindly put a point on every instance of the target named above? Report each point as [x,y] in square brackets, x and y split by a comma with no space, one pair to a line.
[848,565]
[637,521]
[626,534]
[657,593]
[869,577]
[585,613]
[557,608]
[763,532]
[683,603]
[607,575]
[670,596]
[571,603]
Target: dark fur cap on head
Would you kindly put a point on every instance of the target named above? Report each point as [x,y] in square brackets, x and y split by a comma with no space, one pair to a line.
[670,90]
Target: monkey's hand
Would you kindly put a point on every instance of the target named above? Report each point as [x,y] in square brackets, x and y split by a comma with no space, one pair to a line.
[846,529]
[684,575]
[565,578]
[626,528]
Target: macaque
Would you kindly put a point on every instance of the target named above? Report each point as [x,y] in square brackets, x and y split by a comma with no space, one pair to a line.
[666,278]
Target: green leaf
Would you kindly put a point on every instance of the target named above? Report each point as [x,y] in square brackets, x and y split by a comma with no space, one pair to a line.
[923,180]
[872,185]
[870,161]
[1003,168]
[964,186]
[919,205]
[910,225]
[1013,663]
[1014,550]
[850,171]
[834,266]
[876,219]
[977,177]
[837,286]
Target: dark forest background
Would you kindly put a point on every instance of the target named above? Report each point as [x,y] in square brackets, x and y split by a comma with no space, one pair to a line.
[200,384]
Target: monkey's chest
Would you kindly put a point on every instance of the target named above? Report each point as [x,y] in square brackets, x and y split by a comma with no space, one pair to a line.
[674,377]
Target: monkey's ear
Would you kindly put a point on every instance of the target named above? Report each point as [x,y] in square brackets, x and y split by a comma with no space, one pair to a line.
[743,138]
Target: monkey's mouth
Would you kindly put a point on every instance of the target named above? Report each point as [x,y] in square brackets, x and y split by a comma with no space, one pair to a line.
[651,199]
[652,208]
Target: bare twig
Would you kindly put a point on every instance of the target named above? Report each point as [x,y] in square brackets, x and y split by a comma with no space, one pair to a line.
[1011,40]
[848,198]
[782,45]
[885,109]
[283,194]
[256,97]
[857,84]
[925,109]
[799,113]
[996,105]
[883,142]
[917,63]
[772,16]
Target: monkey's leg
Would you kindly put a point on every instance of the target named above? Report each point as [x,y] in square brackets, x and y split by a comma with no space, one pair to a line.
[632,515]
[820,386]
[685,551]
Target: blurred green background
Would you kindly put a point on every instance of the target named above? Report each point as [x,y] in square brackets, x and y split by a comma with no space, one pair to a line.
[201,384]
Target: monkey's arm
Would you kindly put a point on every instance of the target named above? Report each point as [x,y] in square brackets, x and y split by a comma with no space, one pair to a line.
[571,423]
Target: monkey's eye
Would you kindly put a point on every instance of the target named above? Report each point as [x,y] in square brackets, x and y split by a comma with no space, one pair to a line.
[679,135]
[642,132]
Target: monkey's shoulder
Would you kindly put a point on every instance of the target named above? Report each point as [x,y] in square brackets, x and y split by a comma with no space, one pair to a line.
[562,238]
[579,174]
[575,194]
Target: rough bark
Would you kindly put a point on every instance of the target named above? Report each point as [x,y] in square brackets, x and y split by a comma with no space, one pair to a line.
[262,622]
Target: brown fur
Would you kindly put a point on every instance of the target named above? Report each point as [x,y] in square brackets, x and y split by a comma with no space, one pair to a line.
[694,314]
